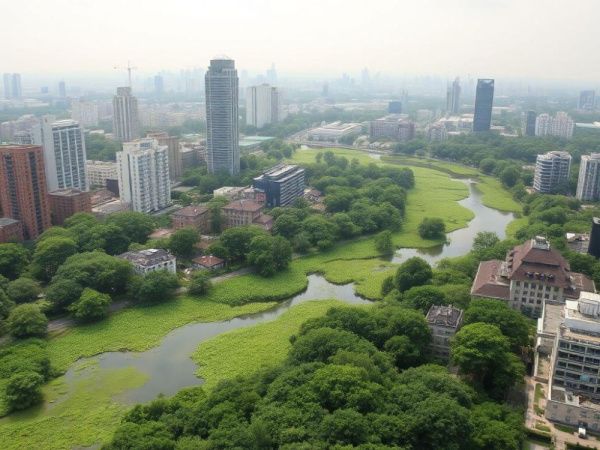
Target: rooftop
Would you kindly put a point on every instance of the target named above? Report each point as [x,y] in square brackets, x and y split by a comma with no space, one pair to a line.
[208,261]
[191,211]
[5,221]
[244,205]
[446,316]
[69,192]
[149,257]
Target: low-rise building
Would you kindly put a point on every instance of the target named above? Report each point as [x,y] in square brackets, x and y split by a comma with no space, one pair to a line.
[444,322]
[195,216]
[11,230]
[264,221]
[282,184]
[208,262]
[334,131]
[230,192]
[392,127]
[151,260]
[100,171]
[242,212]
[531,275]
[66,202]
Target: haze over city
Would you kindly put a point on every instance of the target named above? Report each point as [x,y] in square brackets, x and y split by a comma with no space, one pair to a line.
[554,39]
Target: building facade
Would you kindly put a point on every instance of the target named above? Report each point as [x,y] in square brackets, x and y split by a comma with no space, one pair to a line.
[392,127]
[12,86]
[263,105]
[23,191]
[551,171]
[172,143]
[241,212]
[64,153]
[84,112]
[484,101]
[559,125]
[437,132]
[588,182]
[126,125]
[194,216]
[528,123]
[453,97]
[222,128]
[531,275]
[11,230]
[99,172]
[151,260]
[587,100]
[143,173]
[66,202]
[282,184]
[444,322]
[334,131]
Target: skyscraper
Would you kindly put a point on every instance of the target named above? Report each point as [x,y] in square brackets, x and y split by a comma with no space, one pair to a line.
[222,133]
[125,115]
[64,153]
[172,143]
[23,193]
[588,183]
[262,105]
[7,89]
[62,89]
[12,85]
[551,171]
[528,123]
[143,171]
[453,97]
[587,100]
[484,100]
[159,85]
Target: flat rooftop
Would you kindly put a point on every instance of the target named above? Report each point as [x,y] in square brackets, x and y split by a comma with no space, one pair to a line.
[5,221]
[553,317]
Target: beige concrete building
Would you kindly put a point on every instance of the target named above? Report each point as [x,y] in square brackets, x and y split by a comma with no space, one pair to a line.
[195,216]
[444,322]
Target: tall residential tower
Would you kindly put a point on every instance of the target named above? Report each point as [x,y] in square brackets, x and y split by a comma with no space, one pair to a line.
[588,183]
[125,115]
[262,105]
[551,171]
[484,100]
[222,133]
[453,97]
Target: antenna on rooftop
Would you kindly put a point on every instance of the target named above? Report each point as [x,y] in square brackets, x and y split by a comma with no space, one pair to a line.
[128,68]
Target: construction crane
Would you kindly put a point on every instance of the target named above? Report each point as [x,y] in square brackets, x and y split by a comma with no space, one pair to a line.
[128,68]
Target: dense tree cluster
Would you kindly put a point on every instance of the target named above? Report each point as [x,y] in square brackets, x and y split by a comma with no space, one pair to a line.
[432,228]
[339,387]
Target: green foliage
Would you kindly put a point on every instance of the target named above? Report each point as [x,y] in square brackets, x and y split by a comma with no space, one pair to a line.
[384,243]
[182,242]
[91,306]
[156,287]
[98,147]
[23,290]
[236,241]
[6,304]
[413,272]
[13,260]
[199,284]
[49,254]
[24,390]
[27,321]
[269,254]
[135,225]
[423,297]
[62,293]
[432,228]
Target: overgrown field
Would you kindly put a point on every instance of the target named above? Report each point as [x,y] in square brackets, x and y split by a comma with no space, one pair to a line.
[247,350]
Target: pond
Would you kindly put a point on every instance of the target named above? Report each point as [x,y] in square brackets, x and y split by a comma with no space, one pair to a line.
[459,242]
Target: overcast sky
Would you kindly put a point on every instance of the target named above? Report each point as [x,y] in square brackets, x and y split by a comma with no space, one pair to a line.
[557,39]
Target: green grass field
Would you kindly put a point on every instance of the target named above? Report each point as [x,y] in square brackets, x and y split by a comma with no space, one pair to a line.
[247,350]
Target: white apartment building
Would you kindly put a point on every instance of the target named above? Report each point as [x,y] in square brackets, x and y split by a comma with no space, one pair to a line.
[100,171]
[125,115]
[263,104]
[561,125]
[64,153]
[551,170]
[151,260]
[588,183]
[86,113]
[143,174]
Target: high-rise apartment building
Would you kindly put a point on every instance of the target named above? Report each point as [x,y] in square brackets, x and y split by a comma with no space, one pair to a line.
[6,85]
[62,89]
[551,171]
[172,143]
[125,115]
[12,85]
[587,100]
[64,153]
[588,182]
[23,193]
[143,172]
[484,100]
[561,125]
[222,133]
[453,97]
[263,104]
[528,123]
[85,112]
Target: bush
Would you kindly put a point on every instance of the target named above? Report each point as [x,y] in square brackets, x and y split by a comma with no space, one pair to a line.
[91,306]
[432,228]
[27,321]
[155,287]
[24,389]
[23,290]
[199,284]
[413,272]
[383,242]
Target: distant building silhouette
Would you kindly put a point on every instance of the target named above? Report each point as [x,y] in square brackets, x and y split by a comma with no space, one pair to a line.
[453,97]
[125,115]
[528,126]
[395,107]
[484,100]
[594,248]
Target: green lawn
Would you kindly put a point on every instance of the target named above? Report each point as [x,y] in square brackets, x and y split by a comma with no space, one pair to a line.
[247,350]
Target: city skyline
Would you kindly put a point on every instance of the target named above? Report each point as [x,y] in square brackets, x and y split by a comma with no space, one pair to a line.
[486,33]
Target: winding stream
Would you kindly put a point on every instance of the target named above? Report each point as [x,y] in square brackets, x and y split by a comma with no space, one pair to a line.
[169,367]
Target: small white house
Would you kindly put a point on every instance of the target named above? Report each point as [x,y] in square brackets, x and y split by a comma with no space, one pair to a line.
[150,260]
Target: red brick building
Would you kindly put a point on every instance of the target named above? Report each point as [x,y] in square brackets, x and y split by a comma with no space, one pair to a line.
[23,193]
[10,230]
[66,202]
[242,212]
[194,216]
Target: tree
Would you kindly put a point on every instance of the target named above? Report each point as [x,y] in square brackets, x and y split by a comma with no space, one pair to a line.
[91,306]
[269,254]
[320,231]
[23,290]
[13,260]
[487,165]
[345,226]
[62,293]
[384,243]
[50,254]
[510,176]
[182,242]
[6,304]
[155,287]
[345,426]
[413,272]
[405,353]
[286,225]
[423,297]
[137,226]
[237,240]
[24,389]
[484,240]
[199,284]
[432,228]
[301,242]
[27,321]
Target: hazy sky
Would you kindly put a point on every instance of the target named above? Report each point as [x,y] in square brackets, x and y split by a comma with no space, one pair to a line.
[529,38]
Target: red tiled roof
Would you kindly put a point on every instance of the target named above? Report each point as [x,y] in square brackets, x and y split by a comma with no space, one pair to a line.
[526,262]
[208,261]
[191,211]
[244,205]
[488,281]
